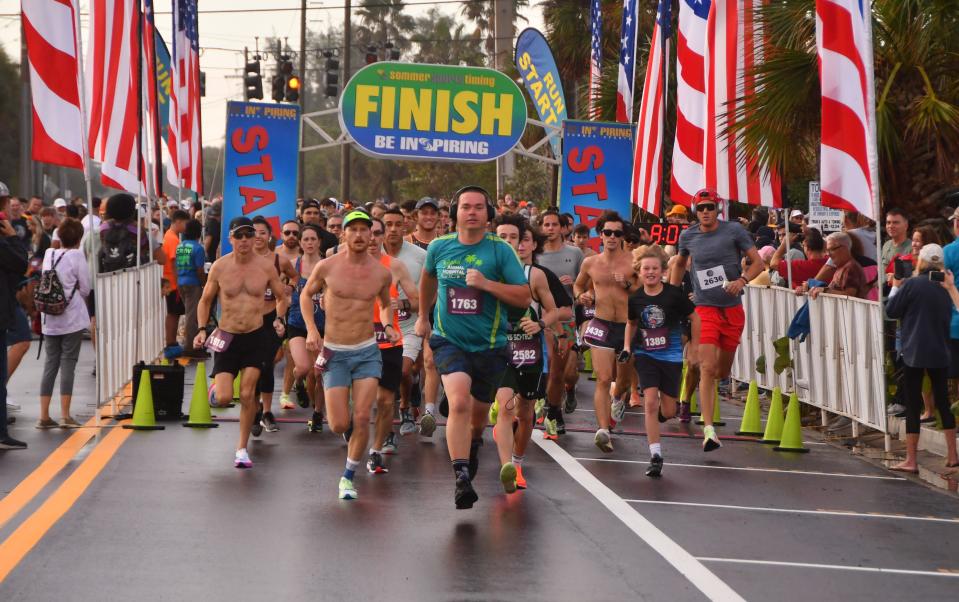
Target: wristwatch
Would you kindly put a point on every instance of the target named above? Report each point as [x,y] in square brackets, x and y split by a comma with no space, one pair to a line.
[542,324]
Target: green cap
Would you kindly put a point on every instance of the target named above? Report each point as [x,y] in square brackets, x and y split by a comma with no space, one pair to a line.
[357,215]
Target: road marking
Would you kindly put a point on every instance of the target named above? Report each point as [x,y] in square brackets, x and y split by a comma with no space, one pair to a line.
[705,580]
[32,530]
[751,469]
[833,567]
[849,513]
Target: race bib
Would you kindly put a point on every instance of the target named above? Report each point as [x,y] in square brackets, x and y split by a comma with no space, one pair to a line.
[596,332]
[380,332]
[218,341]
[268,295]
[524,350]
[589,312]
[323,359]
[464,301]
[403,314]
[711,277]
[654,339]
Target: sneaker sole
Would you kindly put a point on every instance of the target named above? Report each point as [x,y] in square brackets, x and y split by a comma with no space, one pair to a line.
[243,464]
[507,476]
[605,446]
[711,445]
[348,496]
[466,501]
[6,447]
[428,429]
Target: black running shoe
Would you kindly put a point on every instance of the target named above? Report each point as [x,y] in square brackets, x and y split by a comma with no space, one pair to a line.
[375,464]
[315,423]
[269,422]
[257,429]
[570,403]
[655,466]
[11,443]
[465,495]
[560,424]
[474,458]
[302,399]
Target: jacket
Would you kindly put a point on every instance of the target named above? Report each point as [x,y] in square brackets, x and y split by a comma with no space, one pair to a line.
[13,267]
[924,310]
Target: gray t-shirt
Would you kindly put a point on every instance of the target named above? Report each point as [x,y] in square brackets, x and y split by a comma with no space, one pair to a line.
[413,258]
[565,262]
[716,260]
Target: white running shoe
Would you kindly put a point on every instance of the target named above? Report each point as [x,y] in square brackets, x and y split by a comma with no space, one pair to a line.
[242,459]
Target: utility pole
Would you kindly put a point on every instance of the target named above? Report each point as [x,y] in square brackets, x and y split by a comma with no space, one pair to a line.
[502,51]
[345,149]
[303,88]
[26,184]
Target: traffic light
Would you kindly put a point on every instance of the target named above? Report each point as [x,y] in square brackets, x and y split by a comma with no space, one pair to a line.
[253,81]
[331,78]
[393,53]
[292,88]
[278,88]
[371,55]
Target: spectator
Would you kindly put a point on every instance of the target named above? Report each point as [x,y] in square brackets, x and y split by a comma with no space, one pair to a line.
[48,217]
[63,334]
[13,266]
[763,278]
[118,237]
[796,216]
[19,223]
[848,277]
[191,276]
[863,229]
[60,206]
[814,248]
[760,218]
[921,236]
[39,241]
[897,227]
[211,239]
[924,307]
[35,205]
[174,301]
[677,215]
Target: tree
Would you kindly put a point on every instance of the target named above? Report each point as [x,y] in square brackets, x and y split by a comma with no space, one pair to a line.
[386,21]
[481,13]
[10,117]
[441,40]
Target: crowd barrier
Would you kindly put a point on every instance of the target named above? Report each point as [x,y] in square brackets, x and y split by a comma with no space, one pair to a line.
[838,368]
[130,314]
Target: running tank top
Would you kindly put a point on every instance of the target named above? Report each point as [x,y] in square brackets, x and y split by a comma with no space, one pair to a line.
[527,351]
[268,295]
[381,339]
[294,316]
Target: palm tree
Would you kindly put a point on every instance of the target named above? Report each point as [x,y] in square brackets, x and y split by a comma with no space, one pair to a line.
[481,12]
[441,40]
[386,21]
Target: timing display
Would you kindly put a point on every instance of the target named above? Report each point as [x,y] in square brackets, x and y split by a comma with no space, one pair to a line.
[663,233]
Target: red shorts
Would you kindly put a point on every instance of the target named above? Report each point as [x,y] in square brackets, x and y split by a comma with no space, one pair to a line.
[721,326]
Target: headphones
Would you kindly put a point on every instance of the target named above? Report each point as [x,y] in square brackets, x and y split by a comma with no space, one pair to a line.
[708,195]
[454,206]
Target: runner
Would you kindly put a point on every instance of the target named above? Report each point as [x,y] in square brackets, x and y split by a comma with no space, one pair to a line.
[349,358]
[715,249]
[391,352]
[654,333]
[524,381]
[238,281]
[290,251]
[427,219]
[475,274]
[581,240]
[612,277]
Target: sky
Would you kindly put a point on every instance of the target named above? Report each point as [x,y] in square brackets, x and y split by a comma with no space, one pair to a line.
[223,36]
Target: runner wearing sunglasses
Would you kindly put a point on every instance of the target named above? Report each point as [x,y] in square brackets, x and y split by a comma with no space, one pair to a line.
[712,251]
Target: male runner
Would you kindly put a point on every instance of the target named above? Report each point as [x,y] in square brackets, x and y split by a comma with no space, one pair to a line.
[476,275]
[427,218]
[581,240]
[290,251]
[238,281]
[349,357]
[391,352]
[611,276]
[715,249]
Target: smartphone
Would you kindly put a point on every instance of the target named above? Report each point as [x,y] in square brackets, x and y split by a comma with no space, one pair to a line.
[902,268]
[623,356]
[937,276]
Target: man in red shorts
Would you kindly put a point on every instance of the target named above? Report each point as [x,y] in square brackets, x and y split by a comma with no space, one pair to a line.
[712,251]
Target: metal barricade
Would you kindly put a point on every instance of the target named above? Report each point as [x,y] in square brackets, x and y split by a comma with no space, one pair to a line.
[838,368]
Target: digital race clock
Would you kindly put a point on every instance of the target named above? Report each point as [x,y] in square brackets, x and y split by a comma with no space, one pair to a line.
[663,233]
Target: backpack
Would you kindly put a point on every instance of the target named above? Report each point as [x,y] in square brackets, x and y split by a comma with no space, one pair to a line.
[118,249]
[48,296]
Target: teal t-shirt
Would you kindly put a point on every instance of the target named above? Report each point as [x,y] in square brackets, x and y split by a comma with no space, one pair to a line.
[189,258]
[471,319]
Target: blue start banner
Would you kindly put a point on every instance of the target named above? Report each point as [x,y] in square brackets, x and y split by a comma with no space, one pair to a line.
[262,141]
[537,67]
[597,164]
[164,83]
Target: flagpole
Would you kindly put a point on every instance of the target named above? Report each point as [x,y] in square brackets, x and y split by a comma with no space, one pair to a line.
[664,41]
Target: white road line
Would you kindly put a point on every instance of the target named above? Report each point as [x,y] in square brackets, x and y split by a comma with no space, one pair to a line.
[851,514]
[750,469]
[831,567]
[705,580]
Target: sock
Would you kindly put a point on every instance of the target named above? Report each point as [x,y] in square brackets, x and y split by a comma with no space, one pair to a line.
[376,451]
[517,460]
[431,408]
[351,466]
[655,449]
[553,413]
[709,431]
[461,468]
[475,444]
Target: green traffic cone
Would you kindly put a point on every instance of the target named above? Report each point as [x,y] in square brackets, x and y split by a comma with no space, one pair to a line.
[717,421]
[774,421]
[752,421]
[200,416]
[143,416]
[236,387]
[682,382]
[587,362]
[791,440]
[694,404]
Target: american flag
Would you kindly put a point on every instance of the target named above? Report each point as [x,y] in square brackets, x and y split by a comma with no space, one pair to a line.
[734,45]
[49,31]
[648,156]
[595,55]
[848,156]
[113,90]
[186,150]
[687,172]
[151,163]
[627,64]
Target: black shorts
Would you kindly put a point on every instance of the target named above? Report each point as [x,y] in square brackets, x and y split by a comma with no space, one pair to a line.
[485,368]
[582,316]
[657,374]
[293,332]
[954,364]
[392,369]
[605,334]
[528,382]
[245,351]
[174,304]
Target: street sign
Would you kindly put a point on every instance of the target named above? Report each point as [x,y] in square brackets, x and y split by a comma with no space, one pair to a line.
[824,219]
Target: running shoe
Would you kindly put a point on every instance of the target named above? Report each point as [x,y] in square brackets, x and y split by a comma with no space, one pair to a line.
[684,412]
[407,426]
[465,495]
[655,466]
[507,476]
[257,429]
[269,422]
[375,464]
[603,441]
[302,399]
[348,432]
[285,403]
[347,491]
[570,403]
[493,412]
[550,430]
[389,447]
[10,443]
[242,459]
[427,425]
[47,423]
[520,479]
[473,466]
[171,351]
[315,423]
[560,425]
[539,409]
[710,440]
[618,411]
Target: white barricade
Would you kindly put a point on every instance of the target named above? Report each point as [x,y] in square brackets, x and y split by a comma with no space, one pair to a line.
[130,314]
[840,365]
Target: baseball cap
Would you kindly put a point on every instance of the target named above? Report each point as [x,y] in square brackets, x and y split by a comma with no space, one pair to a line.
[59,203]
[310,203]
[4,191]
[238,223]
[357,216]
[677,210]
[795,213]
[955,214]
[931,253]
[427,201]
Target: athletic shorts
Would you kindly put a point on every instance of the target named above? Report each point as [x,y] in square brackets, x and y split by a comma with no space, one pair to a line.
[565,333]
[528,382]
[245,351]
[605,334]
[343,366]
[174,304]
[293,332]
[721,326]
[954,353]
[658,374]
[485,368]
[412,346]
[392,369]
[19,331]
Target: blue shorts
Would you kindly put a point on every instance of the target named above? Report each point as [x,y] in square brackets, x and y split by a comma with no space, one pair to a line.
[355,364]
[485,368]
[19,331]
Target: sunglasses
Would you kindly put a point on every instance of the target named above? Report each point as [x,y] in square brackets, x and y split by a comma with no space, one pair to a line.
[291,233]
[616,233]
[705,207]
[377,232]
[243,234]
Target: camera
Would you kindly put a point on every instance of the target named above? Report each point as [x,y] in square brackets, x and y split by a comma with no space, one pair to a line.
[902,268]
[937,276]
